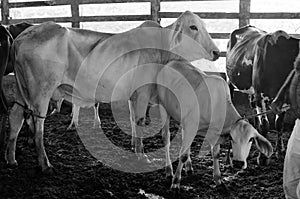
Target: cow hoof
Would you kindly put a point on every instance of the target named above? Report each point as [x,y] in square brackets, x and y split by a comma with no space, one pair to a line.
[13,165]
[175,188]
[48,171]
[222,189]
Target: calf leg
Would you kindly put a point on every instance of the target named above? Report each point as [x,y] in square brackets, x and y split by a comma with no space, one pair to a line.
[97,122]
[16,119]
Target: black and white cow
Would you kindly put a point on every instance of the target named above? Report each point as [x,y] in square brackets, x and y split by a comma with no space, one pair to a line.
[258,63]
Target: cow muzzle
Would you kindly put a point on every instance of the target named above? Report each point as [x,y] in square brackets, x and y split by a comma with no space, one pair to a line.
[216,54]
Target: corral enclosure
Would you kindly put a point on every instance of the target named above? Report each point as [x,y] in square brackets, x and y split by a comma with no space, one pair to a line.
[221,16]
[79,175]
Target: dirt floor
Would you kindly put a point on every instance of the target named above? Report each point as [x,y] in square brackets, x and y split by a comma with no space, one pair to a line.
[117,173]
[80,175]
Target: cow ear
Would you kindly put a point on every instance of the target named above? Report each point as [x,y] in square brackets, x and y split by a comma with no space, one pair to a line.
[263,145]
[177,34]
[275,35]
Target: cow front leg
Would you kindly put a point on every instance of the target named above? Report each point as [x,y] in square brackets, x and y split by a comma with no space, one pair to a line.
[280,149]
[97,122]
[217,173]
[16,119]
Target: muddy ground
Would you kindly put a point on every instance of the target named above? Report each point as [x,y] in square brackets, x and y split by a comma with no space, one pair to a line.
[78,174]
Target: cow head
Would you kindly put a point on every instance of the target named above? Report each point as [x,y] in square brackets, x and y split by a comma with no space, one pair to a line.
[243,134]
[190,39]
[242,55]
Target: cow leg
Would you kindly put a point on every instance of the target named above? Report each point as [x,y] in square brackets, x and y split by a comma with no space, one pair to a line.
[132,122]
[97,122]
[41,109]
[188,163]
[3,119]
[280,149]
[75,116]
[217,173]
[16,119]
[140,100]
[166,139]
[188,136]
[215,155]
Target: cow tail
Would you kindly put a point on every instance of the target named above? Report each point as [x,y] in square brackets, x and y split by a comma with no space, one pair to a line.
[4,51]
[4,54]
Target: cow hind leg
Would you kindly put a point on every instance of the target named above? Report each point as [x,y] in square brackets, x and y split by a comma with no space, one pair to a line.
[166,139]
[75,116]
[139,102]
[16,119]
[41,110]
[188,164]
[188,136]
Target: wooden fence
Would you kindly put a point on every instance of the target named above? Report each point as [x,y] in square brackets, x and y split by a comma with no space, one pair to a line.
[244,14]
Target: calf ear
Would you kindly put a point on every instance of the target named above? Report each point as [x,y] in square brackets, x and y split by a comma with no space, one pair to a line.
[263,145]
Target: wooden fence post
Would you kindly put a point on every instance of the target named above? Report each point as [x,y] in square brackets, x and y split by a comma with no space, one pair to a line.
[75,14]
[244,13]
[155,8]
[5,12]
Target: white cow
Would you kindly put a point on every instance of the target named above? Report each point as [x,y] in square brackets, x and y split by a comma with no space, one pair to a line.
[85,67]
[202,104]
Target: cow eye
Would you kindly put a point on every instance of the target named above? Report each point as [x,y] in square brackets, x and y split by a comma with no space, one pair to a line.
[193,27]
[251,140]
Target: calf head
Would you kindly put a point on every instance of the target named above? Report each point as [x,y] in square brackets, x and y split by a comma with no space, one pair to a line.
[243,134]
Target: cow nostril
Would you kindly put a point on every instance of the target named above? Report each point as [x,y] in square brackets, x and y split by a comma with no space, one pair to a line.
[216,54]
[238,164]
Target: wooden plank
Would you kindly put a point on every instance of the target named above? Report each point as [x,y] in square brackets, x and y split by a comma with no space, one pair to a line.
[116,18]
[207,15]
[275,15]
[5,12]
[220,35]
[244,16]
[111,1]
[31,4]
[155,8]
[75,14]
[41,20]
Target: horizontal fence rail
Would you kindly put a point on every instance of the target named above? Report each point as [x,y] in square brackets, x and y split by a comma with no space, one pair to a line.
[243,16]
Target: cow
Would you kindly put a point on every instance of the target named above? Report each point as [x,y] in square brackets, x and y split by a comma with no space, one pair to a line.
[85,67]
[202,104]
[257,63]
[7,35]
